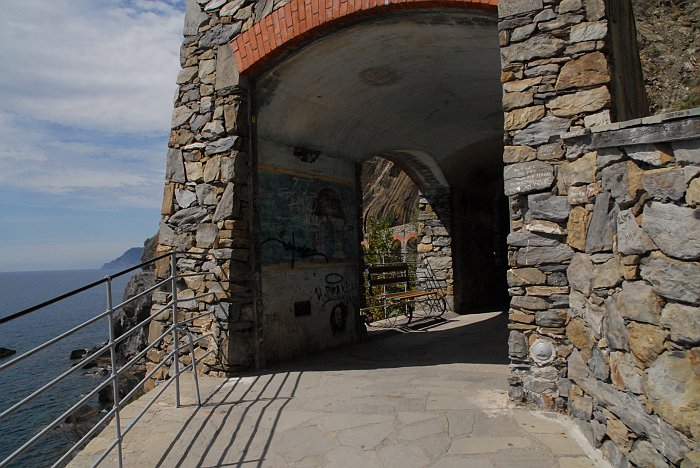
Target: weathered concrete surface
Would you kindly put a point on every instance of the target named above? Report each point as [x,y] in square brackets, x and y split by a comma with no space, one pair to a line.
[430,397]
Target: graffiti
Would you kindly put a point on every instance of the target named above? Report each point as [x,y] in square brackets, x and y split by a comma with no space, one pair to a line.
[335,289]
[339,317]
[303,252]
[305,220]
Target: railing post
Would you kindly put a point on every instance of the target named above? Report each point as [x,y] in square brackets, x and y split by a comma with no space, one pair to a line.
[176,356]
[115,376]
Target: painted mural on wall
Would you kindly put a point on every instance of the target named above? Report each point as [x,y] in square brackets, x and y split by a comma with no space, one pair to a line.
[305,220]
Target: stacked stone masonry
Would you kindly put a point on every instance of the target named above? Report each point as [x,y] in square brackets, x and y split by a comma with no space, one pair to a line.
[603,250]
[434,269]
[205,213]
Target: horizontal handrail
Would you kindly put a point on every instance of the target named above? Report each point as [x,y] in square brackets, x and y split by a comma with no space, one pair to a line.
[48,343]
[56,299]
[117,373]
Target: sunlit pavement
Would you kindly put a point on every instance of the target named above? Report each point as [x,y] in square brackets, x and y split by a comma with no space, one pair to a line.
[434,395]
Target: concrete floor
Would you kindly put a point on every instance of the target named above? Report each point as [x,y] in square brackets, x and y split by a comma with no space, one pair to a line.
[430,396]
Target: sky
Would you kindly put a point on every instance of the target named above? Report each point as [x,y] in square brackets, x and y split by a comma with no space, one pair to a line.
[86,97]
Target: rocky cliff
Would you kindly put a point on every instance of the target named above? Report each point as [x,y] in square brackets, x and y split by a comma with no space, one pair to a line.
[387,193]
[668,36]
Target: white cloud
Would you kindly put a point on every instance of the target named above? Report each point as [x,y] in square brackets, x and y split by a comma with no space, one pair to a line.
[86,92]
[101,65]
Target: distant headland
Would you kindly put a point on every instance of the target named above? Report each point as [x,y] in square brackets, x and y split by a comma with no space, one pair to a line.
[129,258]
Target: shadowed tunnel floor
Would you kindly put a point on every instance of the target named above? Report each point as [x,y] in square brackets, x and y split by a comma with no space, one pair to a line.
[432,395]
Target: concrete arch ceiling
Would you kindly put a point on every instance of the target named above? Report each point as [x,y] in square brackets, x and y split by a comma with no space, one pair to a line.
[420,84]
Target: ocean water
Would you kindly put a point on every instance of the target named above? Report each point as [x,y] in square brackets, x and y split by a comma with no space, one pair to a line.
[25,289]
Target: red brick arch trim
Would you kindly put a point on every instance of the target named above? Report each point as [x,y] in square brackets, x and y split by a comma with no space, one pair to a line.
[301,20]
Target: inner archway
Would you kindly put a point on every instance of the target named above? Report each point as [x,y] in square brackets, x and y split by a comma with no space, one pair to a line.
[421,88]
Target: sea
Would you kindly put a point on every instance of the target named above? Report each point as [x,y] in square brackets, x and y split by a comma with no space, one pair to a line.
[19,291]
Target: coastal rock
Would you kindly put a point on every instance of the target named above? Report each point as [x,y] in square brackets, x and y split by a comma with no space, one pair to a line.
[5,352]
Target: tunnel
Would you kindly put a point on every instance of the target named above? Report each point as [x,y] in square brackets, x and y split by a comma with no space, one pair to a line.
[420,88]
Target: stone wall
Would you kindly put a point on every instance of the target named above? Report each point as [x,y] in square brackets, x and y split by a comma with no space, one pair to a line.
[555,77]
[206,211]
[434,268]
[634,325]
[604,243]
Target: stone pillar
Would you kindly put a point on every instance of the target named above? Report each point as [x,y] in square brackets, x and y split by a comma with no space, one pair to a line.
[205,213]
[555,78]
[434,269]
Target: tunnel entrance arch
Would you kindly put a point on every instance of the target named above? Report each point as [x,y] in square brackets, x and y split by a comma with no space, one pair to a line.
[419,86]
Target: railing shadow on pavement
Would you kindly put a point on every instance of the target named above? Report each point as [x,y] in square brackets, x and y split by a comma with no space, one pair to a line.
[209,430]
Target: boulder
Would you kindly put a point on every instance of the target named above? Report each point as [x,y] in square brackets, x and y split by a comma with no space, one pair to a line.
[5,352]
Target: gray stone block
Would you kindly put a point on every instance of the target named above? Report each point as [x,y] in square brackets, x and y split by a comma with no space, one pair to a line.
[675,229]
[671,278]
[527,177]
[548,207]
[515,7]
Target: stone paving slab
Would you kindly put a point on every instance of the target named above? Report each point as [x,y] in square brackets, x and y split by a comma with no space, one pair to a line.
[344,409]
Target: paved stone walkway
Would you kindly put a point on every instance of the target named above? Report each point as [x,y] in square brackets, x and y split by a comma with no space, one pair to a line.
[434,397]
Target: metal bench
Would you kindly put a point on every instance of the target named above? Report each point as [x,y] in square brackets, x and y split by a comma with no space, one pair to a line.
[389,288]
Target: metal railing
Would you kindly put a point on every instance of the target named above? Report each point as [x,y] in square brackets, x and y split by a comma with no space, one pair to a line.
[176,329]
